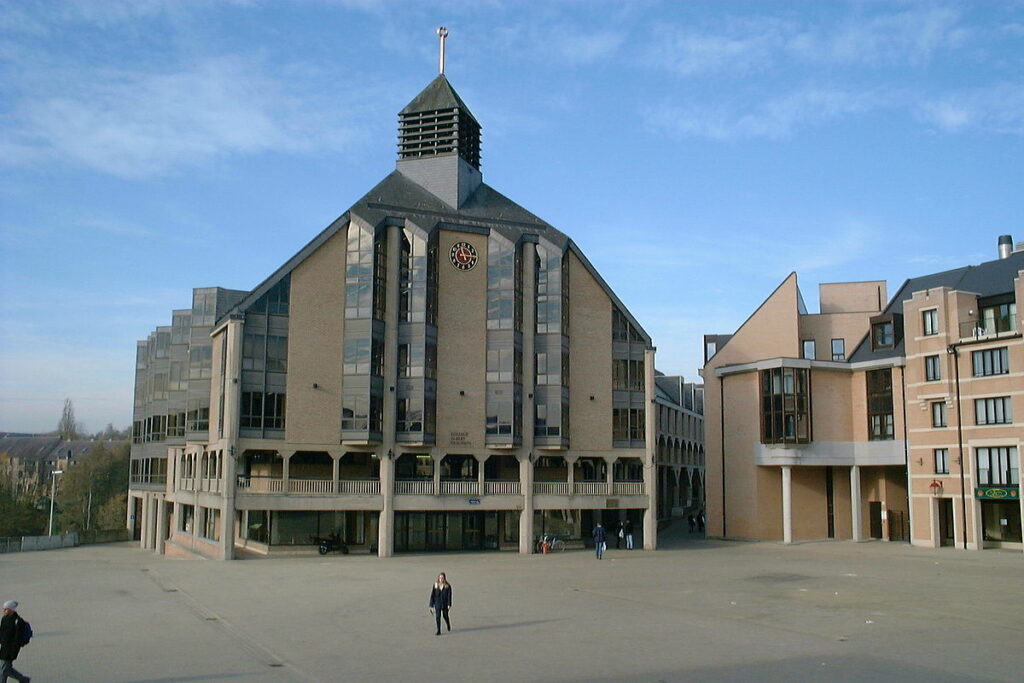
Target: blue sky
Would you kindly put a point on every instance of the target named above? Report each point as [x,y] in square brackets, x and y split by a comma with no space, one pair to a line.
[696,151]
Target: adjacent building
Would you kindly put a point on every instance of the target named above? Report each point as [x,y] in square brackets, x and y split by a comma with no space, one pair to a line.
[872,419]
[438,369]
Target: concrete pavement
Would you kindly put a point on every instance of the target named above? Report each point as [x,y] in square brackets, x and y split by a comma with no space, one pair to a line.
[696,611]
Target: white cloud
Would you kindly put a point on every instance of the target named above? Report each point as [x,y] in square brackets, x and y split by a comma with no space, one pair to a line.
[993,109]
[773,118]
[137,122]
[759,42]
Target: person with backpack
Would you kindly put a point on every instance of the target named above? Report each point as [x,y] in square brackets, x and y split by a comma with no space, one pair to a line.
[15,633]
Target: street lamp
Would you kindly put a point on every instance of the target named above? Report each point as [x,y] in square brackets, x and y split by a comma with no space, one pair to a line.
[53,494]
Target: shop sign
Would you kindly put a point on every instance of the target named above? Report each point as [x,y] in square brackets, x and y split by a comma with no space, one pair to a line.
[997,493]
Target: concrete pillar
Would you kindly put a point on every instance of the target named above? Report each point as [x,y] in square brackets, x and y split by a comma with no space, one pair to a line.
[610,473]
[856,506]
[934,526]
[392,294]
[437,458]
[161,525]
[526,516]
[335,469]
[229,446]
[650,466]
[570,469]
[480,460]
[386,523]
[787,504]
[286,458]
[144,535]
[975,533]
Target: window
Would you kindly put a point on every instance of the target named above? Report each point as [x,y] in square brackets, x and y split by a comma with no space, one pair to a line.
[198,415]
[628,374]
[941,460]
[808,349]
[628,424]
[360,412]
[993,411]
[262,410]
[998,466]
[359,271]
[211,524]
[550,291]
[930,321]
[409,415]
[504,365]
[838,349]
[882,335]
[932,369]
[990,362]
[880,419]
[785,405]
[999,318]
[200,361]
[710,349]
[277,353]
[939,414]
[504,286]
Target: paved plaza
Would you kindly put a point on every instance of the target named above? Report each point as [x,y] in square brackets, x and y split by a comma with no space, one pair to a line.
[695,611]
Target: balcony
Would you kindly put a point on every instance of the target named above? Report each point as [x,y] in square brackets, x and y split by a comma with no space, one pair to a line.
[589,488]
[417,487]
[323,487]
[989,327]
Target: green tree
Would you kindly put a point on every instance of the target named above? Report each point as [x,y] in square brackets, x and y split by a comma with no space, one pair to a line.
[19,515]
[88,486]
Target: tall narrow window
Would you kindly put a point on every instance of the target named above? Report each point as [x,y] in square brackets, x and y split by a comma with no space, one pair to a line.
[882,336]
[939,414]
[785,406]
[930,321]
[941,460]
[838,349]
[359,273]
[880,415]
[807,350]
[932,369]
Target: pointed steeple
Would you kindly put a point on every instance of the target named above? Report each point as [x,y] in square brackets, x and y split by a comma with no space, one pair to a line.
[439,141]
[438,122]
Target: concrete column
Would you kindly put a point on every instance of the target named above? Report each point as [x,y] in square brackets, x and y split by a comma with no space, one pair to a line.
[975,533]
[480,474]
[933,522]
[570,471]
[650,464]
[161,525]
[787,504]
[286,458]
[610,474]
[526,516]
[856,506]
[529,378]
[335,469]
[386,523]
[438,457]
[144,535]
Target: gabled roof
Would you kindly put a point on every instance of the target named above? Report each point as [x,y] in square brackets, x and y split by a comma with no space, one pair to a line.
[439,94]
[985,279]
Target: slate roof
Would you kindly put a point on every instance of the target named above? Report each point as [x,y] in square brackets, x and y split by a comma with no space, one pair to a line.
[985,279]
[39,448]
[439,94]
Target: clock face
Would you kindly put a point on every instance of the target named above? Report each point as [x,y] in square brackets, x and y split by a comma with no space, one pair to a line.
[463,255]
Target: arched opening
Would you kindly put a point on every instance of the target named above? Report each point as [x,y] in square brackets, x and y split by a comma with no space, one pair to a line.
[591,470]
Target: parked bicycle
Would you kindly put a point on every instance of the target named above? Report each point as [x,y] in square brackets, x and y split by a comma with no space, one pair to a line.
[550,544]
[330,543]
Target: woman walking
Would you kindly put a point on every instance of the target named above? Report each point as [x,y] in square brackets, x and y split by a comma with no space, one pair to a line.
[441,601]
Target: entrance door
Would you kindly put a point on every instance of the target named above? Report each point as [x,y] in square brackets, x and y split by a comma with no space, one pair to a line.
[1000,521]
[946,522]
[875,518]
[435,531]
[137,522]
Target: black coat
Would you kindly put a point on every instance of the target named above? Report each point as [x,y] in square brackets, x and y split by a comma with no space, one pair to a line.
[441,598]
[10,628]
[599,534]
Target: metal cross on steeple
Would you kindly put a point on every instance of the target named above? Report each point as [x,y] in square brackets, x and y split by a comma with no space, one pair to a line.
[442,33]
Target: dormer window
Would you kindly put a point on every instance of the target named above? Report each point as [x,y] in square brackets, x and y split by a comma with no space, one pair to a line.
[882,335]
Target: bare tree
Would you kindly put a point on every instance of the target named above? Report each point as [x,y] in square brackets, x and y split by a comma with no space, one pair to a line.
[67,428]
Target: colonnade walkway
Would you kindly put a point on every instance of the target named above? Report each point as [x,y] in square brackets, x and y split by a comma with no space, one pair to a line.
[697,610]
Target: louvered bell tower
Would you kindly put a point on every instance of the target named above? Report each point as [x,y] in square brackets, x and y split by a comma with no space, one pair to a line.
[439,142]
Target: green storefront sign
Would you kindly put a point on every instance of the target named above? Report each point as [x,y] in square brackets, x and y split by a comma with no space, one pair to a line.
[997,493]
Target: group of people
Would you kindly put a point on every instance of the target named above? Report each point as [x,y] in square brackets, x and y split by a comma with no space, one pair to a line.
[623,535]
[12,637]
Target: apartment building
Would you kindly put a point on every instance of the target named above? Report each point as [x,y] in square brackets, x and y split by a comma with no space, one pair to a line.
[438,369]
[872,419]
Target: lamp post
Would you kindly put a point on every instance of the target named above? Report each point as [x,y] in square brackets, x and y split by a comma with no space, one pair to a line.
[53,494]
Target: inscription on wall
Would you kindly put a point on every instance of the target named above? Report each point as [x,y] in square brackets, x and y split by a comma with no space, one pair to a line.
[460,439]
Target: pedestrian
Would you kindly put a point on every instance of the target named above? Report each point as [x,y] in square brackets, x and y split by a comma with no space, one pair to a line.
[692,522]
[10,643]
[628,528]
[700,520]
[620,536]
[441,602]
[599,540]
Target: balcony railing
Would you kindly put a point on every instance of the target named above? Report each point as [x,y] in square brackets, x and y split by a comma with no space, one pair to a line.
[628,488]
[501,488]
[591,488]
[989,327]
[367,487]
[460,488]
[551,488]
[418,487]
[310,486]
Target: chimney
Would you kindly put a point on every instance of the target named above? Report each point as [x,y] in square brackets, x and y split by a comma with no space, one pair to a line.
[1005,246]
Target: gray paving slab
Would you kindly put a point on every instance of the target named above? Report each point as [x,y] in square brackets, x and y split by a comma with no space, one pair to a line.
[696,611]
